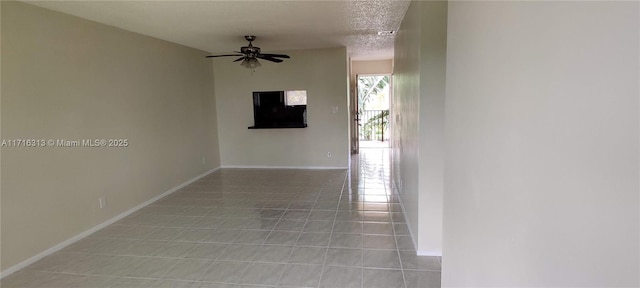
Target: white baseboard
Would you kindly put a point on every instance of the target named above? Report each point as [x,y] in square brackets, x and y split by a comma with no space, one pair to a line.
[93,229]
[418,252]
[428,253]
[282,167]
[404,213]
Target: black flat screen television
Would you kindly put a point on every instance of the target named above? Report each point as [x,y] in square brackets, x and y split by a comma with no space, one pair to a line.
[272,110]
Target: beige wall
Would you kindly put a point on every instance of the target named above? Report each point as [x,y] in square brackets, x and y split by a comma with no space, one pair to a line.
[323,73]
[67,78]
[371,67]
[542,145]
[418,139]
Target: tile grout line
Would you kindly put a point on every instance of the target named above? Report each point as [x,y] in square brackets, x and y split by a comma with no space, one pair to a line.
[393,226]
[238,203]
[262,245]
[362,164]
[335,216]
[215,260]
[395,239]
[299,235]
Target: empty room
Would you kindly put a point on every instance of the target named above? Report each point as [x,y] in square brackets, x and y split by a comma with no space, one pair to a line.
[319,144]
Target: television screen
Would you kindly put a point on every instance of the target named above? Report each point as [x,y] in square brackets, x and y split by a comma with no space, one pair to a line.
[280,109]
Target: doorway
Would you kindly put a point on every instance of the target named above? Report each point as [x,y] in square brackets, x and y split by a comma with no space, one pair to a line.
[373,98]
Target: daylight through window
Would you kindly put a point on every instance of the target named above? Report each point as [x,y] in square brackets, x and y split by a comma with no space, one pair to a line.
[295,97]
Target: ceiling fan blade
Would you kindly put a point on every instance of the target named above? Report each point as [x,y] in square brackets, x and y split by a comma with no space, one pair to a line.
[268,58]
[241,58]
[225,55]
[275,55]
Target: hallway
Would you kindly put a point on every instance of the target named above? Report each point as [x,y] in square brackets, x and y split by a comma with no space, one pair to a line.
[253,228]
[370,177]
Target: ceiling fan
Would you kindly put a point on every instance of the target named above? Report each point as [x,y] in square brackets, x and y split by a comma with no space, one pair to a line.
[250,54]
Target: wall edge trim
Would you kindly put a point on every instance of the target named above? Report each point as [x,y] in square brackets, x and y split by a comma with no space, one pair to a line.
[404,213]
[428,253]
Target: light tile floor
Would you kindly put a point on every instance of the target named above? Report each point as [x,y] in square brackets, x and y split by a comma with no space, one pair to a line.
[253,228]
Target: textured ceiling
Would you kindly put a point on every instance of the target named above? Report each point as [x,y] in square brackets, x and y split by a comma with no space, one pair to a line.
[218,26]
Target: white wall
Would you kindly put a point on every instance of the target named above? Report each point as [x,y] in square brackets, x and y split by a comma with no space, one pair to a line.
[323,73]
[542,145]
[433,45]
[406,116]
[418,140]
[68,78]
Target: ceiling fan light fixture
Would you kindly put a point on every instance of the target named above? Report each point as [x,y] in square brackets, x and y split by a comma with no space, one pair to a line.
[249,55]
[251,63]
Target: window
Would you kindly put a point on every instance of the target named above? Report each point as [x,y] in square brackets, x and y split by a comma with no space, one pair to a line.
[295,97]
